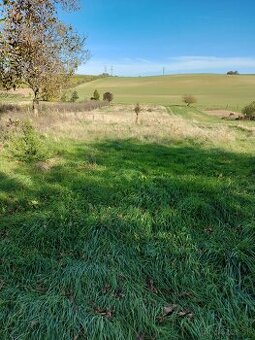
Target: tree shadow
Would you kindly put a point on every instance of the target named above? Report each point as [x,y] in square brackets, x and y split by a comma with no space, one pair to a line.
[125,213]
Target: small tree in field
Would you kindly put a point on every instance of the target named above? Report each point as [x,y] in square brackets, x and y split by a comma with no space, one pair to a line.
[189,100]
[249,111]
[108,96]
[96,95]
[137,111]
[74,97]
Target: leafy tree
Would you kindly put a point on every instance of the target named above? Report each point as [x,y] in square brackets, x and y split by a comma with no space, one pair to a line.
[96,95]
[36,48]
[189,100]
[74,97]
[108,96]
[249,111]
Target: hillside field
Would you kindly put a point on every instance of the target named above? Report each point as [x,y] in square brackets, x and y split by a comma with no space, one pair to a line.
[212,91]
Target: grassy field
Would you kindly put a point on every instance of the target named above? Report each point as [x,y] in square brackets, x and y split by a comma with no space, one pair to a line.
[212,91]
[111,230]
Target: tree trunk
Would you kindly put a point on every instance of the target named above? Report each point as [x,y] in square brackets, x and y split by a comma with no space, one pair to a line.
[35,105]
[137,118]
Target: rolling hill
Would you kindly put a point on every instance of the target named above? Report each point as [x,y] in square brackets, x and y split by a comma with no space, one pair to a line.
[212,91]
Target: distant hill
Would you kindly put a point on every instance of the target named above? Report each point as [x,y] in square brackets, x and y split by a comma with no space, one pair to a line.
[211,90]
[79,79]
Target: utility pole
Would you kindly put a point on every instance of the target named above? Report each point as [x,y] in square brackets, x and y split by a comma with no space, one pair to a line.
[105,69]
[164,70]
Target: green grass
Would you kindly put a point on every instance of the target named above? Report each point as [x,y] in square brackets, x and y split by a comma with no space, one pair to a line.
[99,244]
[79,79]
[6,97]
[212,91]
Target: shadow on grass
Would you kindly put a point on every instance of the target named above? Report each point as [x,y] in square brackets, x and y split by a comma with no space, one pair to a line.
[98,246]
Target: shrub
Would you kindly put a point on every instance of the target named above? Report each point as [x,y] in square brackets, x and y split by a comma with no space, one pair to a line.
[8,129]
[32,147]
[249,111]
[232,73]
[63,98]
[25,142]
[189,99]
[108,96]
[74,97]
[96,95]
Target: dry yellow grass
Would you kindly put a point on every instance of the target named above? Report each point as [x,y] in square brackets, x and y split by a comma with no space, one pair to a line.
[155,124]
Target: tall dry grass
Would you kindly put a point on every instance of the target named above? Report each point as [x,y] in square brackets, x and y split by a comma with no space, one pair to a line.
[119,122]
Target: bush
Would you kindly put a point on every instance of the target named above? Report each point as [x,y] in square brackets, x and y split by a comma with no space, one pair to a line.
[108,96]
[189,100]
[249,111]
[232,73]
[74,97]
[96,95]
[31,142]
[63,98]
[8,129]
[25,142]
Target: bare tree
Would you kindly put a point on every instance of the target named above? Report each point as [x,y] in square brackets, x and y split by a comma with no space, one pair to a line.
[137,110]
[36,48]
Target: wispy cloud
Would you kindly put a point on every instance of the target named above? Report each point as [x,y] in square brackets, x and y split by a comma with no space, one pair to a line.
[182,64]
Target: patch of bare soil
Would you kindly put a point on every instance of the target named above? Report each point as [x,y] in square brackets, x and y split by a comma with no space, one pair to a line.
[223,113]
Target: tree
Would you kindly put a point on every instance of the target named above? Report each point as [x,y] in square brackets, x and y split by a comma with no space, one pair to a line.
[36,48]
[96,95]
[249,111]
[189,100]
[74,97]
[108,96]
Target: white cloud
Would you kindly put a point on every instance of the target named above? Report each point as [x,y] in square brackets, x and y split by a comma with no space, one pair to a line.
[182,64]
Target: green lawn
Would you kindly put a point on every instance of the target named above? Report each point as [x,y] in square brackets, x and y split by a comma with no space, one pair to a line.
[129,238]
[212,91]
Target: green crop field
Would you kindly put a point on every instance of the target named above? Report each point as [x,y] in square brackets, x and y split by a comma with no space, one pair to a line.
[211,91]
[111,230]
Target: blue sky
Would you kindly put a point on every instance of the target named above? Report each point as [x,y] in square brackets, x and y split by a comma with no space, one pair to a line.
[140,37]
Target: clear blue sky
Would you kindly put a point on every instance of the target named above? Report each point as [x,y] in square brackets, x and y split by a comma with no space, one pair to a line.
[140,37]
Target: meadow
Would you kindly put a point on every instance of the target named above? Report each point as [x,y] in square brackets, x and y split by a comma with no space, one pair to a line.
[116,230]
